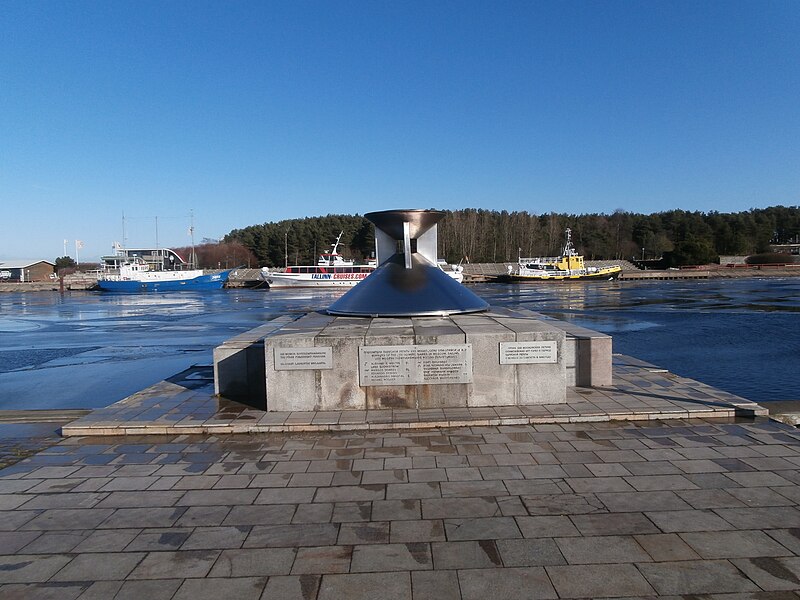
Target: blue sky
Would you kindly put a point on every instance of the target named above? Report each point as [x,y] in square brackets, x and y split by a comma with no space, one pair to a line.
[247,112]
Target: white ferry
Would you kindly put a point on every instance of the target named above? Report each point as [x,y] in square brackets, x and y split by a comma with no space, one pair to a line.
[331,270]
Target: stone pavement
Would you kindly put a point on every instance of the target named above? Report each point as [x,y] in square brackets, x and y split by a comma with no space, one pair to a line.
[185,404]
[678,508]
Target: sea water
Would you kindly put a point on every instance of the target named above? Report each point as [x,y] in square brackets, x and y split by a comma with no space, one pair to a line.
[89,349]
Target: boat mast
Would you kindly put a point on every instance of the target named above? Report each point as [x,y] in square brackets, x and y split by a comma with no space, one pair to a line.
[193,257]
[334,248]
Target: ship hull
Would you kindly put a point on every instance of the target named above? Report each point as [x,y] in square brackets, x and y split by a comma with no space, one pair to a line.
[600,276]
[213,281]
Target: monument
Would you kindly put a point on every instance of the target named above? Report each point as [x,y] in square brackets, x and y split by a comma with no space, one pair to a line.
[409,336]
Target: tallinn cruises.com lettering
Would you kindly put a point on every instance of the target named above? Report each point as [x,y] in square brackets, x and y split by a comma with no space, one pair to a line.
[338,275]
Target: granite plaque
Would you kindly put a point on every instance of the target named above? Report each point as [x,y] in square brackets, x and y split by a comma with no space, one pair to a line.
[527,353]
[414,365]
[297,359]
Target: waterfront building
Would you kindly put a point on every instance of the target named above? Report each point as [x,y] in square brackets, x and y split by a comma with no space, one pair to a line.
[26,270]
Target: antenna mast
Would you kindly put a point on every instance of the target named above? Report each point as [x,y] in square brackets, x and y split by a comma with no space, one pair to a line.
[193,258]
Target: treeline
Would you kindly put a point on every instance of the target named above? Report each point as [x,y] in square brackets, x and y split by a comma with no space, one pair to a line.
[679,237]
[225,255]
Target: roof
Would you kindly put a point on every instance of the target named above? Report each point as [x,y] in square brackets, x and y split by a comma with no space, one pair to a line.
[23,263]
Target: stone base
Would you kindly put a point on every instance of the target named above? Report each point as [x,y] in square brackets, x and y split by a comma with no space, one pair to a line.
[320,362]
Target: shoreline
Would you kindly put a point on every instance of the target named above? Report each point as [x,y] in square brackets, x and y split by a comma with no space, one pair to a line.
[74,284]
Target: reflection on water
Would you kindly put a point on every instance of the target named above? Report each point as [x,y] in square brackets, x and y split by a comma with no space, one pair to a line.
[88,349]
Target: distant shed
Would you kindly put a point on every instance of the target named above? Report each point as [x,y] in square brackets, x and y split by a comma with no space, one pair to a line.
[26,270]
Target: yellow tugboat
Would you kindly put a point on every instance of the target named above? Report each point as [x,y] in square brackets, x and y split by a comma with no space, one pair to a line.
[567,267]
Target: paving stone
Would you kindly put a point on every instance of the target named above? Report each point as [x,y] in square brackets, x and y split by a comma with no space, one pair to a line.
[466,555]
[405,491]
[322,559]
[250,562]
[734,544]
[260,514]
[142,517]
[294,587]
[430,530]
[649,483]
[771,573]
[789,538]
[437,508]
[510,583]
[696,577]
[710,498]
[759,496]
[465,489]
[68,500]
[383,477]
[376,532]
[99,566]
[56,542]
[48,591]
[688,520]
[481,528]
[396,510]
[208,538]
[152,540]
[141,499]
[171,565]
[217,497]
[241,588]
[563,504]
[642,501]
[351,493]
[163,589]
[391,557]
[529,552]
[366,586]
[285,495]
[601,549]
[313,513]
[599,484]
[107,540]
[664,547]
[546,526]
[203,516]
[613,524]
[13,541]
[287,536]
[598,581]
[351,512]
[758,479]
[31,568]
[776,517]
[435,585]
[61,519]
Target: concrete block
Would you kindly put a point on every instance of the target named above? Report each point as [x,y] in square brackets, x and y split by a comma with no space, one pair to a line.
[594,361]
[239,365]
[441,331]
[338,387]
[492,384]
[389,396]
[290,390]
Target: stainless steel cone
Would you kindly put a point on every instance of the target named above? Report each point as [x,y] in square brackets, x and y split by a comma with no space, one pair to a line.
[407,283]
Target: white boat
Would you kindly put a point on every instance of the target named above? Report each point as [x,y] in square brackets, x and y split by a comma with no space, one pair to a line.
[331,270]
[135,275]
[455,271]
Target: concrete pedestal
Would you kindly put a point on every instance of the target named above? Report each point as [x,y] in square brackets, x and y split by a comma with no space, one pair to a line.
[320,362]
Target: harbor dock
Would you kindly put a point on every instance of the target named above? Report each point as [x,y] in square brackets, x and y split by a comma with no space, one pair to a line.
[657,486]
